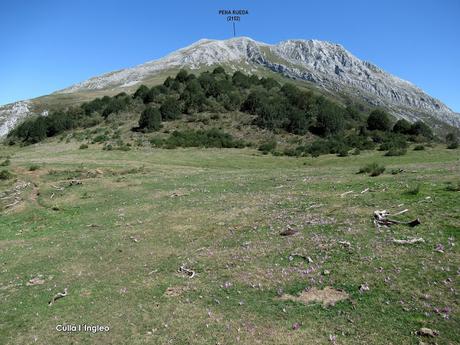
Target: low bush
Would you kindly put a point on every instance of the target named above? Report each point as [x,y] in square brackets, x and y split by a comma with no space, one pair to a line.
[268,146]
[413,190]
[452,141]
[100,138]
[5,175]
[419,148]
[5,163]
[396,152]
[202,138]
[83,147]
[453,186]
[373,169]
[34,167]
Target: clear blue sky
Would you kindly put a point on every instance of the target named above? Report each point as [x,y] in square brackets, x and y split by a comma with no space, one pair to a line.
[48,45]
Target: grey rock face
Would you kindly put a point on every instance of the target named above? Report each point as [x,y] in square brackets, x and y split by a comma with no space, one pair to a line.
[328,65]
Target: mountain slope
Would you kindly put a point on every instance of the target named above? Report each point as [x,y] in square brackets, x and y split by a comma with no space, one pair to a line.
[322,64]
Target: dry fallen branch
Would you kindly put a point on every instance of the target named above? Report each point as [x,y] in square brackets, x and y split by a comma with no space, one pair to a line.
[409,241]
[187,271]
[346,193]
[58,296]
[381,219]
[134,239]
[306,258]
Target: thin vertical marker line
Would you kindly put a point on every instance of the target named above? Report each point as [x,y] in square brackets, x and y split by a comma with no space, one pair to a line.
[234,32]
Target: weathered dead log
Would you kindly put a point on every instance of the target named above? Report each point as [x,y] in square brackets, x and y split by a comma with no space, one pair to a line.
[58,296]
[381,218]
[187,271]
[306,258]
[409,241]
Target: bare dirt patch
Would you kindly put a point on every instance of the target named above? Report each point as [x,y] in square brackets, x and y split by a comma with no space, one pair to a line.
[327,296]
[175,291]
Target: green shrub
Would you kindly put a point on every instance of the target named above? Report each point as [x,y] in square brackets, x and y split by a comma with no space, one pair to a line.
[330,119]
[342,153]
[393,141]
[396,152]
[419,148]
[34,167]
[402,126]
[83,147]
[150,119]
[141,92]
[202,138]
[5,163]
[453,186]
[379,120]
[421,128]
[452,141]
[156,142]
[413,190]
[5,175]
[170,109]
[100,138]
[373,169]
[268,146]
[355,152]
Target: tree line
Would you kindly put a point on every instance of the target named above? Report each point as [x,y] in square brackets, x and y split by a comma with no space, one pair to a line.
[273,106]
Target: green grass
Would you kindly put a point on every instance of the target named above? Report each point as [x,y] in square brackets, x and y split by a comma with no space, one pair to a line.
[219,212]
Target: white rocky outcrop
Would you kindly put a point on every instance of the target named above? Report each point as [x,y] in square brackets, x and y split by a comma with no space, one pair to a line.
[326,64]
[10,114]
[329,66]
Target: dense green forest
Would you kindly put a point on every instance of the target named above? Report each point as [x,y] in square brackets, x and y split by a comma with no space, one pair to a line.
[276,107]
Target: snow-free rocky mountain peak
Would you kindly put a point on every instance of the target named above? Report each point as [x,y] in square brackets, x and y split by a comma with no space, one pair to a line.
[323,64]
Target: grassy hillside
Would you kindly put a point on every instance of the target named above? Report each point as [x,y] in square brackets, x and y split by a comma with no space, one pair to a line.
[115,227]
[217,109]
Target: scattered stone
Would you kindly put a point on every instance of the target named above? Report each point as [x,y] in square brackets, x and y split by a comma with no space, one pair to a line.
[427,332]
[226,285]
[279,292]
[345,243]
[306,258]
[295,326]
[289,232]
[332,338]
[363,287]
[134,239]
[439,248]
[35,281]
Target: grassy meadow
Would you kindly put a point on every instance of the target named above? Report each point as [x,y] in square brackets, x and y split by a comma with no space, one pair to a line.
[115,228]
